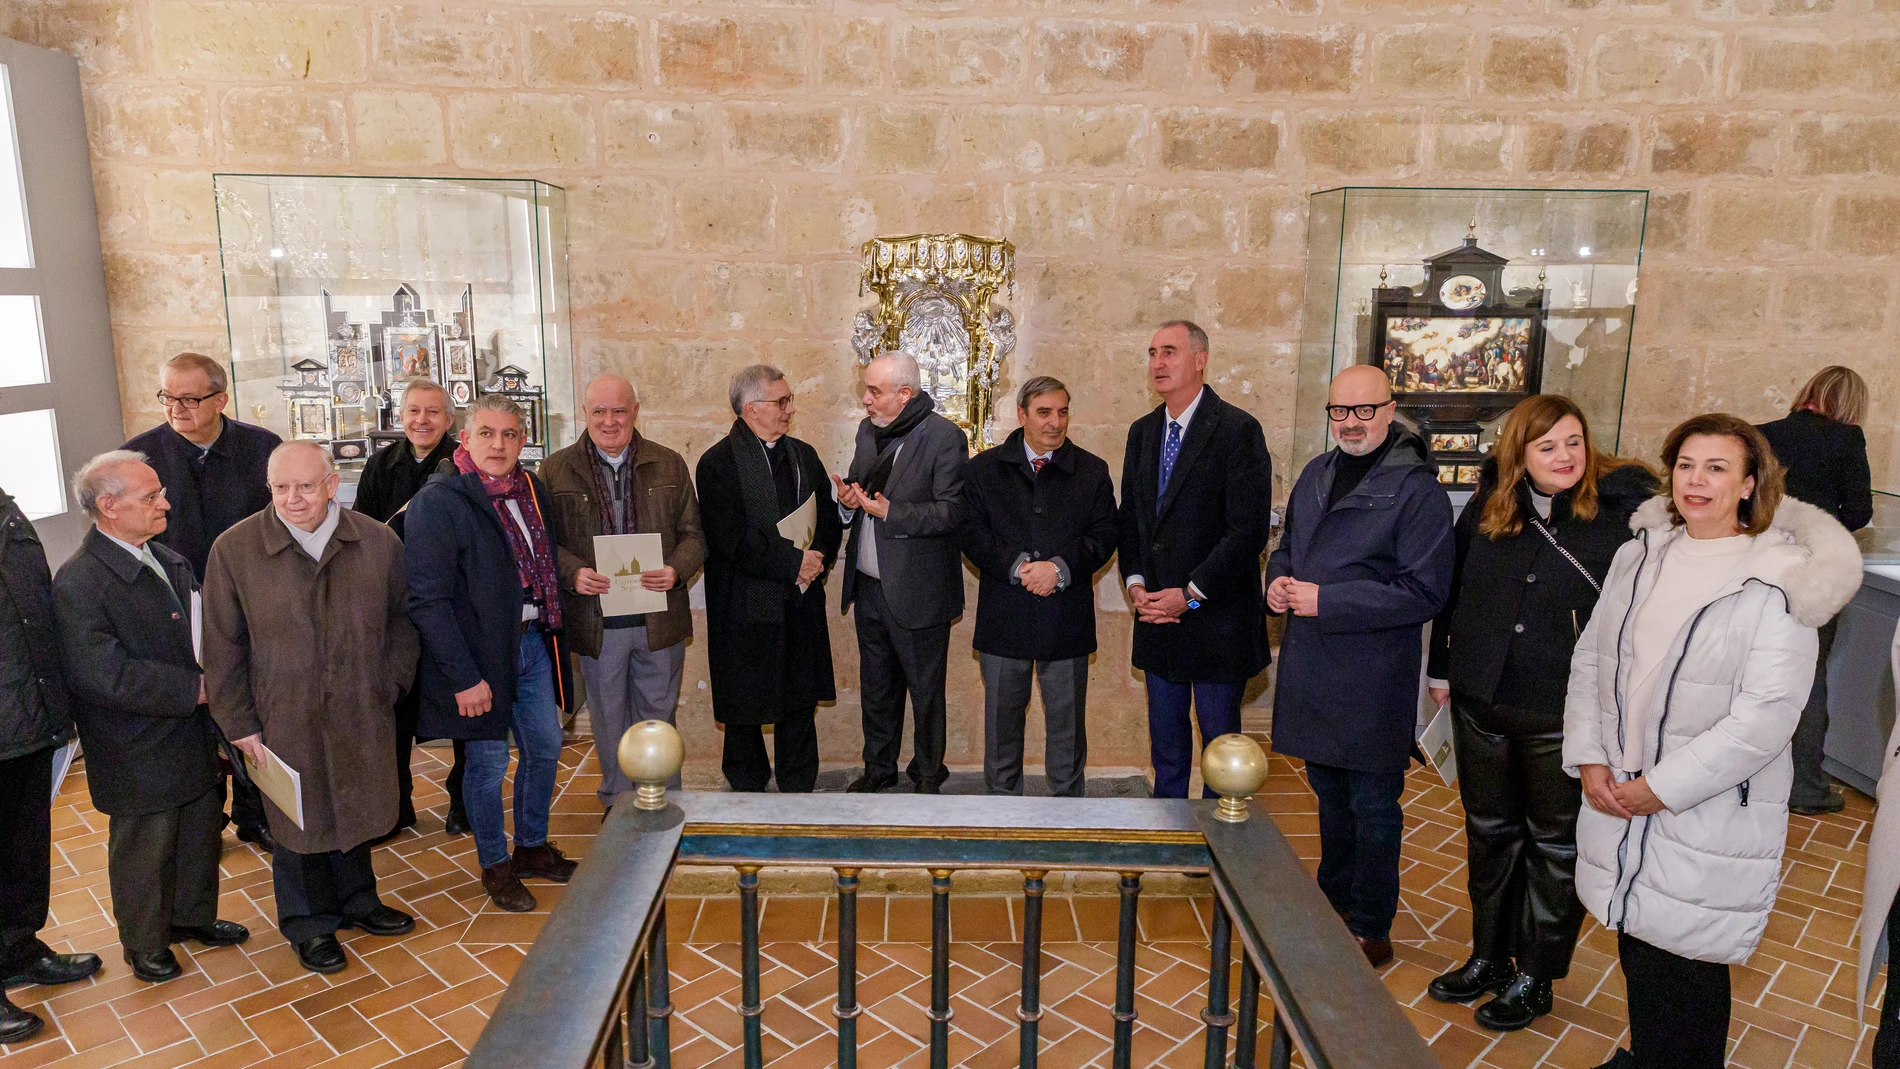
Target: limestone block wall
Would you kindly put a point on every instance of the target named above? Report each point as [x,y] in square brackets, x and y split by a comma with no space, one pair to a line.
[1150,158]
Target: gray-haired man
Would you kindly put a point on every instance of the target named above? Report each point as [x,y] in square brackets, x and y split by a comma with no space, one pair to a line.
[903,501]
[1041,522]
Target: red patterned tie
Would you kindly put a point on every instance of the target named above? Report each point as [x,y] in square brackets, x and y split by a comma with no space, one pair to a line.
[1037,463]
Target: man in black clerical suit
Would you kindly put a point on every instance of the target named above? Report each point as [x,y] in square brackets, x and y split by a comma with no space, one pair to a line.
[766,641]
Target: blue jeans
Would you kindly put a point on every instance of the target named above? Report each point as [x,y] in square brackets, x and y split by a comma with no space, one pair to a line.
[1171,734]
[1360,828]
[537,727]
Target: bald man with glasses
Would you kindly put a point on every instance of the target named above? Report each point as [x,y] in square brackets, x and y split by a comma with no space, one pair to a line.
[1364,561]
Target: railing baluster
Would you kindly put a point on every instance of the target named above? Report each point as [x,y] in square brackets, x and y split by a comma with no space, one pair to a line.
[1245,1032]
[637,1056]
[1217,1015]
[1031,1010]
[659,994]
[611,1056]
[1280,1050]
[940,969]
[1125,971]
[847,1009]
[749,965]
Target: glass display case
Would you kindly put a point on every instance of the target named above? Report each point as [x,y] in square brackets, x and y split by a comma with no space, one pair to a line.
[1470,299]
[338,289]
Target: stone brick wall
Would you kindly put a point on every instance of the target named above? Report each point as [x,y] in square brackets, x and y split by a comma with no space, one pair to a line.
[1150,158]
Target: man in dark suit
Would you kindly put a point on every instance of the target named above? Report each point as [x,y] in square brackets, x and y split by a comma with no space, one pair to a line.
[1365,560]
[767,648]
[390,479]
[212,469]
[903,501]
[36,719]
[124,605]
[1041,520]
[1197,493]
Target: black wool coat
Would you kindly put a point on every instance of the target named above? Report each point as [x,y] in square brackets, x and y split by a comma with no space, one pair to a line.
[1517,605]
[1066,512]
[465,600]
[392,477]
[1347,689]
[767,647]
[1210,529]
[126,643]
[208,492]
[36,710]
[1826,464]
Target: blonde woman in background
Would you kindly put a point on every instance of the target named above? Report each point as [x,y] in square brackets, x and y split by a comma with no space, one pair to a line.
[1820,446]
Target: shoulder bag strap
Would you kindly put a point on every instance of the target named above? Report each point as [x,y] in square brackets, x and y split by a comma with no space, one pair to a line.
[1552,539]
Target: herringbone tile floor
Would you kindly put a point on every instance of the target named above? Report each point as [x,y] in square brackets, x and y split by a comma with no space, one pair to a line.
[420,1001]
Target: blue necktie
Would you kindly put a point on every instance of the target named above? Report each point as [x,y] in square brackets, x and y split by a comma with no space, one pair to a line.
[1168,452]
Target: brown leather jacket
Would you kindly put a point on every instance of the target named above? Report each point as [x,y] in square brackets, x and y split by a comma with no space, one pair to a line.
[666,505]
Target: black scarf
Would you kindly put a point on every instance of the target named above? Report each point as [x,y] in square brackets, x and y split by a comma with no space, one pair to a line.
[757,488]
[888,438]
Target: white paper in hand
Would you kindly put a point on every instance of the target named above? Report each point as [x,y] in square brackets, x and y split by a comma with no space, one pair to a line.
[1435,741]
[279,782]
[800,525]
[621,558]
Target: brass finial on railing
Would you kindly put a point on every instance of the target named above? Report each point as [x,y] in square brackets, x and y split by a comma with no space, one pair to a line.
[1234,766]
[651,754]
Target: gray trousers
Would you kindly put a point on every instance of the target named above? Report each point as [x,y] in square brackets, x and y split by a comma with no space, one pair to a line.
[1065,690]
[1811,784]
[626,684]
[163,871]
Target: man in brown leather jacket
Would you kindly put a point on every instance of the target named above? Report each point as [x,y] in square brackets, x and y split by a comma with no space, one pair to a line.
[613,481]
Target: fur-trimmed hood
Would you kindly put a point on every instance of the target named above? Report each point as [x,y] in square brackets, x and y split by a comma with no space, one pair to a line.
[1805,553]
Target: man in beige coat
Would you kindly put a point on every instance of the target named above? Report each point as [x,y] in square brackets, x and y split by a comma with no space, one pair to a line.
[307,644]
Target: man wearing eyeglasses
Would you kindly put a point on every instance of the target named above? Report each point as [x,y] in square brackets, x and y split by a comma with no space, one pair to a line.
[616,481]
[307,644]
[1197,500]
[212,469]
[767,646]
[1364,561]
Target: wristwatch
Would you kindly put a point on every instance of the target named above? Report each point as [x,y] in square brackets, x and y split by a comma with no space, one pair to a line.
[1193,602]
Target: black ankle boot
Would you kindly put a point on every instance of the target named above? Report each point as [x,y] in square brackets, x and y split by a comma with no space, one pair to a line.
[1475,977]
[1522,1001]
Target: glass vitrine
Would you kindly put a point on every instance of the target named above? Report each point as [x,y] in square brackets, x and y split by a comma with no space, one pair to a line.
[1469,299]
[337,290]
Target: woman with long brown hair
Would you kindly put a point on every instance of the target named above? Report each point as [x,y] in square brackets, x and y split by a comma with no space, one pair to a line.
[1533,545]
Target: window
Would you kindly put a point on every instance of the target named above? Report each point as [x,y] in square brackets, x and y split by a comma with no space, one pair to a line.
[30,442]
[16,247]
[22,341]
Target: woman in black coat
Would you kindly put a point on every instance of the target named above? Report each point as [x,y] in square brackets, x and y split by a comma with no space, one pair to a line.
[1533,546]
[1823,455]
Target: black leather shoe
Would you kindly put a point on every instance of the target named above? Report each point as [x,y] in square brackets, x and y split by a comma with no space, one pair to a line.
[385,921]
[215,934]
[1377,951]
[869,784]
[1834,804]
[56,969]
[1475,977]
[456,823]
[154,966]
[1522,1001]
[322,953]
[258,836]
[17,1024]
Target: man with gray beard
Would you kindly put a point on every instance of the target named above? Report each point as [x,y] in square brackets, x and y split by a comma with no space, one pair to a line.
[1364,562]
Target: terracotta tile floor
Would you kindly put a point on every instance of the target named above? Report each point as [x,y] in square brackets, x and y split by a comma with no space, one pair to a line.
[420,1001]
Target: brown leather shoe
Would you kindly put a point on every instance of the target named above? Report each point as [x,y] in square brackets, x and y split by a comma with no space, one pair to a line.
[545,861]
[1377,951]
[505,890]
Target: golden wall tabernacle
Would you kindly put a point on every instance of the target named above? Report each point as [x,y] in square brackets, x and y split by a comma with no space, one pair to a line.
[1147,158]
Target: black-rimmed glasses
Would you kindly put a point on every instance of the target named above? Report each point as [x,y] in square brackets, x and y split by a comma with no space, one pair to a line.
[186,403]
[1338,413]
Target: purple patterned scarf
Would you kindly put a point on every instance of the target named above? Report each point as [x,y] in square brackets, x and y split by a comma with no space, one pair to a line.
[534,552]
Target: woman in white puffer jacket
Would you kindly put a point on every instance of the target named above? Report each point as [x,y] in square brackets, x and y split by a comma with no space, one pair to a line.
[1685,690]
